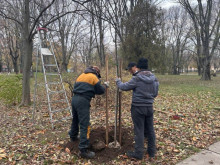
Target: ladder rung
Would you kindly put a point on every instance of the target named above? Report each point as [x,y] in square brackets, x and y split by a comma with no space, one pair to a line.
[58,110]
[53,83]
[46,52]
[51,92]
[50,65]
[52,74]
[40,84]
[62,100]
[66,118]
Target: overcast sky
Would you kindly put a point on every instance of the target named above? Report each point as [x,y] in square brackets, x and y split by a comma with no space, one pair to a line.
[167,3]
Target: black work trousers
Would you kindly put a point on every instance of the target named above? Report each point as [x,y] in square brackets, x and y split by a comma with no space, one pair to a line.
[142,117]
[81,118]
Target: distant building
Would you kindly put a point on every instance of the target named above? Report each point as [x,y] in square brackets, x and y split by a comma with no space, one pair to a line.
[4,68]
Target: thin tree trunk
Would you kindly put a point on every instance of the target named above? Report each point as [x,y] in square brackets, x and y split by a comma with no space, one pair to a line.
[90,38]
[0,61]
[64,66]
[15,64]
[199,66]
[64,53]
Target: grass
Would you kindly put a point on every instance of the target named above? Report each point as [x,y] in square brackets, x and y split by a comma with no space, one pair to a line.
[188,84]
[187,96]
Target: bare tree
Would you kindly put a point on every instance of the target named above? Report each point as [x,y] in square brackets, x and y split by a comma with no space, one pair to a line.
[28,15]
[99,37]
[206,21]
[67,34]
[13,39]
[178,33]
[4,51]
[106,11]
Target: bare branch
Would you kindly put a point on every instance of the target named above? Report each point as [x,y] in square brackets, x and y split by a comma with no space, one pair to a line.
[37,19]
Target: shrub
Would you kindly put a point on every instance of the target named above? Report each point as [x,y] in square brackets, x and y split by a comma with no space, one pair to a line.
[10,89]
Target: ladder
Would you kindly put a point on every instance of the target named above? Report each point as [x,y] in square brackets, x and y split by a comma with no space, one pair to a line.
[58,104]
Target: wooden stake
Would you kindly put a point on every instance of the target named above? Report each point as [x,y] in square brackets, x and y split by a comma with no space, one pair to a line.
[106,101]
[119,102]
[117,92]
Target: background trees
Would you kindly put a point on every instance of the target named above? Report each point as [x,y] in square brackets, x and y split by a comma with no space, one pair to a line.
[28,15]
[178,33]
[142,29]
[206,21]
[66,32]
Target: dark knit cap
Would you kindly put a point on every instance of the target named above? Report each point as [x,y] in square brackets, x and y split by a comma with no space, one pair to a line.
[142,63]
[130,65]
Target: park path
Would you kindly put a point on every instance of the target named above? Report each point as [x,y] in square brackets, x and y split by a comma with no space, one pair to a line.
[205,157]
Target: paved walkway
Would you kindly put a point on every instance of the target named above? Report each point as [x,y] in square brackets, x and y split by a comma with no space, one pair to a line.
[205,157]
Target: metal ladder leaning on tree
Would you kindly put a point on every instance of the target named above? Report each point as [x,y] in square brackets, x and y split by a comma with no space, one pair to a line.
[58,104]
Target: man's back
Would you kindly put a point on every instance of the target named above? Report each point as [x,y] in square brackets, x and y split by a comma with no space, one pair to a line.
[88,84]
[145,88]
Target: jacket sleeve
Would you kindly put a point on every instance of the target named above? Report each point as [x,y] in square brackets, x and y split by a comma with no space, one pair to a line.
[127,85]
[156,87]
[99,89]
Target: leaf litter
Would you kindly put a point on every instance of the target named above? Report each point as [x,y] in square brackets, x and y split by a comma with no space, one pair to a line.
[185,123]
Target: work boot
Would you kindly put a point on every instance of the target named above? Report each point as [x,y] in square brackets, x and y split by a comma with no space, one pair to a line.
[87,154]
[150,159]
[73,139]
[135,155]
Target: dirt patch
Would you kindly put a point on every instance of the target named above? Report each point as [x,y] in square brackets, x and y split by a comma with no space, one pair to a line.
[106,154]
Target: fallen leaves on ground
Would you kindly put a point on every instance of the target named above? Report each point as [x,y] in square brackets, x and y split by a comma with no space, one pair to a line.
[185,123]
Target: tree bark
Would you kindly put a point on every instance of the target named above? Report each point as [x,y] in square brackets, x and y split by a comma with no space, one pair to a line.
[27,49]
[27,57]
[0,61]
[15,65]
[64,53]
[202,16]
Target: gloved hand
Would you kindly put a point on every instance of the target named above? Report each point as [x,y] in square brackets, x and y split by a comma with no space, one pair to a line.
[118,79]
[106,84]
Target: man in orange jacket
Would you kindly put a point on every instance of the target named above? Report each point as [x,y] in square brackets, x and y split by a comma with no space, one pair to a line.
[87,85]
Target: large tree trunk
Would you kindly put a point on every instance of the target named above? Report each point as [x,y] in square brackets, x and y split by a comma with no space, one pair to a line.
[27,49]
[27,59]
[206,71]
[206,62]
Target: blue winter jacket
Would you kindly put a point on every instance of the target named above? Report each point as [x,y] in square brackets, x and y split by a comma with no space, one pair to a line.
[145,88]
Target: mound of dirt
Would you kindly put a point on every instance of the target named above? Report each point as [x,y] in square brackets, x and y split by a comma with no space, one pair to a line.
[106,154]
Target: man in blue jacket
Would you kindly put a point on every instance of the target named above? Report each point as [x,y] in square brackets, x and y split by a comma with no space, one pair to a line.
[87,85]
[145,88]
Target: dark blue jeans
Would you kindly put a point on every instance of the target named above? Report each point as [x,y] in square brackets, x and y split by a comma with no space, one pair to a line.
[81,118]
[143,127]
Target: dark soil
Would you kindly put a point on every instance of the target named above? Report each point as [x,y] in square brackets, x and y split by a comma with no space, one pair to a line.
[107,154]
